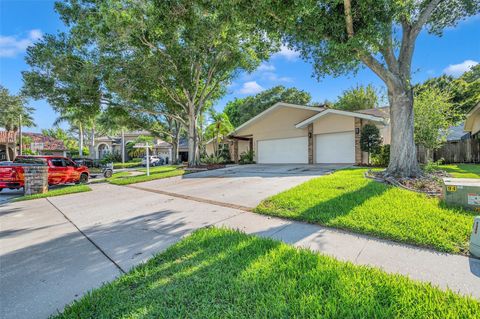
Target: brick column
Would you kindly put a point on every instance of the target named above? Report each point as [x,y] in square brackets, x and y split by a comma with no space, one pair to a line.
[235,151]
[251,145]
[36,179]
[310,143]
[358,151]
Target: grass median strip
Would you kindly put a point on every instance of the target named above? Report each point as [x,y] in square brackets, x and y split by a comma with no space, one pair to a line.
[219,273]
[57,192]
[348,200]
[155,173]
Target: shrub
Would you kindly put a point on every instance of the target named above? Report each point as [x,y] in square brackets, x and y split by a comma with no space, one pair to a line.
[370,140]
[432,166]
[382,157]
[247,158]
[111,158]
[212,159]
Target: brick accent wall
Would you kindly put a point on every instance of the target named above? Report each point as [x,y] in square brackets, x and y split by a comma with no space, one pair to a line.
[358,151]
[36,179]
[310,143]
[235,151]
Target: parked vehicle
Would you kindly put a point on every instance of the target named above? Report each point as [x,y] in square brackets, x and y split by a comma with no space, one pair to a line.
[61,170]
[95,167]
[154,161]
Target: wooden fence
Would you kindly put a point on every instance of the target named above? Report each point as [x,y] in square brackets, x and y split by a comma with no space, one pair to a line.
[464,151]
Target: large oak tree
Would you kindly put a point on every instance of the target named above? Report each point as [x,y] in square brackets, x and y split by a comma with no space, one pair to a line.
[194,48]
[339,36]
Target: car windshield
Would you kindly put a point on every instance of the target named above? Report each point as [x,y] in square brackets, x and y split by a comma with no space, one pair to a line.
[30,160]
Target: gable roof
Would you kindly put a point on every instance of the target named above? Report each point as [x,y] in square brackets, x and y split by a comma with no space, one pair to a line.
[273,108]
[305,123]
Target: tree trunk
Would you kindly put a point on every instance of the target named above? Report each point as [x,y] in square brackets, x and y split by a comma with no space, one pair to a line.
[92,141]
[14,144]
[403,154]
[192,139]
[7,153]
[80,140]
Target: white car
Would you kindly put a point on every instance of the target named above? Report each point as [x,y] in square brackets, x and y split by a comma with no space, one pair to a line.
[154,160]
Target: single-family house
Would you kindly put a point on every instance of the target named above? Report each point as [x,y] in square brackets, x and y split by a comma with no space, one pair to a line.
[297,134]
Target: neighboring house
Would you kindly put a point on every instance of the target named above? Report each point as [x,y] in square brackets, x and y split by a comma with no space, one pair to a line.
[472,122]
[297,134]
[41,144]
[113,144]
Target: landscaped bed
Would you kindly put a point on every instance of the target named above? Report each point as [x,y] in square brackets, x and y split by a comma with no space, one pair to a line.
[348,200]
[218,273]
[64,190]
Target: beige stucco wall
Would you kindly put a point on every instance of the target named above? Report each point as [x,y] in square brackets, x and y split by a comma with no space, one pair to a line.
[279,123]
[476,124]
[331,123]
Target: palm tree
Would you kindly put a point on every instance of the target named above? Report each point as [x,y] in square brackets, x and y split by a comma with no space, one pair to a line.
[218,129]
[75,118]
[13,115]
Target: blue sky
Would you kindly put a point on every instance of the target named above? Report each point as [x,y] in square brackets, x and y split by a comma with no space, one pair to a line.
[24,21]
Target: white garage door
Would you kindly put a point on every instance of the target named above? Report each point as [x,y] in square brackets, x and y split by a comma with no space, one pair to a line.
[335,147]
[283,151]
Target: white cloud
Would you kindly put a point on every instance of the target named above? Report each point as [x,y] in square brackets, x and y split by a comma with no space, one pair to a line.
[266,67]
[251,87]
[287,53]
[275,78]
[10,46]
[458,69]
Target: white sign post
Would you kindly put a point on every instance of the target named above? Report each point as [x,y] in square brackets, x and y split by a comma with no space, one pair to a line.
[146,146]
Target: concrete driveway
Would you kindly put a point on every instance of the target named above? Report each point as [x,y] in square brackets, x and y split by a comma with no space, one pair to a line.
[244,186]
[54,250]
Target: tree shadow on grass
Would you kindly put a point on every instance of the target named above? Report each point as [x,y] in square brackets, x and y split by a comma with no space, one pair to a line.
[341,205]
[225,274]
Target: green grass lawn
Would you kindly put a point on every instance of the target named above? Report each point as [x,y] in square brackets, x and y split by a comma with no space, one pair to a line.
[462,170]
[57,192]
[158,172]
[218,273]
[348,200]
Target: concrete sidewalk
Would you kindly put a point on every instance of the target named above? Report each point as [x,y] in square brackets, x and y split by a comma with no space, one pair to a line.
[46,262]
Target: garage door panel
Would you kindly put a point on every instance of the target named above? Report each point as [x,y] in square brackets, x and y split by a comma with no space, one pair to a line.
[335,148]
[283,151]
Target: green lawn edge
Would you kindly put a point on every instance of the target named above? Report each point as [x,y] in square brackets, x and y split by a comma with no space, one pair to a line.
[56,192]
[462,170]
[221,273]
[346,200]
[144,178]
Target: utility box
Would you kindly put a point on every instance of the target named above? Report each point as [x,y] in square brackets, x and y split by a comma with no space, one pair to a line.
[463,192]
[475,238]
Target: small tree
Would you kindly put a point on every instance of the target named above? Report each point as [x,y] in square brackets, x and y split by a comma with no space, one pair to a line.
[370,140]
[434,115]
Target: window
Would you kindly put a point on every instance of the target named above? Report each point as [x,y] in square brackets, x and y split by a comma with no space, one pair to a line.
[57,162]
[30,160]
[68,163]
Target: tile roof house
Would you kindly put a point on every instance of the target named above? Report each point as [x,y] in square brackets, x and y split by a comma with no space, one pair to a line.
[44,145]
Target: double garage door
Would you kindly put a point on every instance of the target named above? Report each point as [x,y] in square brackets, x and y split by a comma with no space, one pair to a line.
[329,148]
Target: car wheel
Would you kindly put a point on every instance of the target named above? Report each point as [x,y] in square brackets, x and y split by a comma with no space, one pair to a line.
[107,174]
[83,179]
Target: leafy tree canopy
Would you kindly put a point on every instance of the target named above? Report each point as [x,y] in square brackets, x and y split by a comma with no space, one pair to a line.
[241,110]
[464,91]
[358,98]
